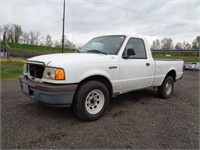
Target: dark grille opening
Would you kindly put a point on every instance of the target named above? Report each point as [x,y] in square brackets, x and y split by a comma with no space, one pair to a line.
[36,70]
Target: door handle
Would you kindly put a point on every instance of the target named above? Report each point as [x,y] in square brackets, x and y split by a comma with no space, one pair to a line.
[148,64]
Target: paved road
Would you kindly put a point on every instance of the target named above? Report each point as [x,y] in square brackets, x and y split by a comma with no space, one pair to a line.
[136,120]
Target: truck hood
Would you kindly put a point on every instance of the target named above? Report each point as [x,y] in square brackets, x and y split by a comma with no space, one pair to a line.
[58,60]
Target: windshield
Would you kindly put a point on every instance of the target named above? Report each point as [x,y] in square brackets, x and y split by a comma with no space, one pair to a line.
[104,45]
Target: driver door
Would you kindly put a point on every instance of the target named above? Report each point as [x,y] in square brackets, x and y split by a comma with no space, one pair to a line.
[136,70]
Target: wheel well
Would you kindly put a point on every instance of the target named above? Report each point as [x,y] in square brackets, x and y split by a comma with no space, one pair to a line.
[172,73]
[101,79]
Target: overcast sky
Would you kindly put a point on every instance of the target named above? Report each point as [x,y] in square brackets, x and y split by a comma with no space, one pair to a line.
[85,19]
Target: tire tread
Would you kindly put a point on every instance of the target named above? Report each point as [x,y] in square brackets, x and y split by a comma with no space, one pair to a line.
[161,89]
[77,101]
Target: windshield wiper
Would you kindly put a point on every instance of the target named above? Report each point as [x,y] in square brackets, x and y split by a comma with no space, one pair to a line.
[96,51]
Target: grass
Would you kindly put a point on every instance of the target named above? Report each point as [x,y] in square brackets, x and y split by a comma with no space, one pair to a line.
[34,49]
[11,69]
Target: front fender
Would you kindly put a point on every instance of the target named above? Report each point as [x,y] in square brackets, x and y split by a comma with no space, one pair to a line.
[94,72]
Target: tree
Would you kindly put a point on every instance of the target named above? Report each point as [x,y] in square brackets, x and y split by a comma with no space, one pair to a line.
[167,43]
[42,41]
[11,36]
[196,42]
[178,46]
[67,43]
[6,29]
[12,32]
[25,38]
[37,38]
[4,36]
[1,31]
[153,46]
[57,44]
[157,44]
[32,37]
[17,33]
[186,45]
[48,41]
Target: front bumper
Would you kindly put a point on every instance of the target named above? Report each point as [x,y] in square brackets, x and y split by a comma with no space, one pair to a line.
[49,94]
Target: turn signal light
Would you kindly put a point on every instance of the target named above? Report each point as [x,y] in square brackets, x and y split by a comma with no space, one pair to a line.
[60,74]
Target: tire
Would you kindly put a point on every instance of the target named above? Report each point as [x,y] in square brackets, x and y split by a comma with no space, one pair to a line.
[166,89]
[91,101]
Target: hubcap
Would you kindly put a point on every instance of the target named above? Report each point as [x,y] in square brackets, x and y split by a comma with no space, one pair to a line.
[168,87]
[94,101]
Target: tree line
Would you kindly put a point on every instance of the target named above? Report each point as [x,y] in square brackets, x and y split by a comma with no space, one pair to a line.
[167,43]
[13,33]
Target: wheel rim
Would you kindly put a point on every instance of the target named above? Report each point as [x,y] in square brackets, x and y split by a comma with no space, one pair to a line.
[94,101]
[168,87]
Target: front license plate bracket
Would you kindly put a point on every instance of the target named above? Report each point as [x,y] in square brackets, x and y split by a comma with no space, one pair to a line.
[25,88]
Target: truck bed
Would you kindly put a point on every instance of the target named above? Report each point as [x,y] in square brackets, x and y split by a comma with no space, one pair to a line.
[163,66]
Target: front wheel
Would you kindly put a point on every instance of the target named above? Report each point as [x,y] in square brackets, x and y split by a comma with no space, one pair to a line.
[167,87]
[91,100]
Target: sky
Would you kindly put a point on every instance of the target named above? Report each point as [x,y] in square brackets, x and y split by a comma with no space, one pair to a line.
[85,19]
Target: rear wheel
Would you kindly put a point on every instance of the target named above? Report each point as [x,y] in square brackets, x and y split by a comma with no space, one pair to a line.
[91,100]
[167,87]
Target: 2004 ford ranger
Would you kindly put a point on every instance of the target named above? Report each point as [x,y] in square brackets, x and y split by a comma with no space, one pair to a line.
[105,67]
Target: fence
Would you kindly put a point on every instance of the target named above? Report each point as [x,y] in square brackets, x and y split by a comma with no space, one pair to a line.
[154,52]
[176,52]
[21,55]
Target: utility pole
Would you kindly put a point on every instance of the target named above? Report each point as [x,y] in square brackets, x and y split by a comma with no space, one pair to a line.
[63,30]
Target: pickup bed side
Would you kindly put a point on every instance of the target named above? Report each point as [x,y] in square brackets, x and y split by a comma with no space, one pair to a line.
[164,68]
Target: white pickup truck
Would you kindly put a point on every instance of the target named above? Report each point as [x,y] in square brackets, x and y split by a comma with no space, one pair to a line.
[105,67]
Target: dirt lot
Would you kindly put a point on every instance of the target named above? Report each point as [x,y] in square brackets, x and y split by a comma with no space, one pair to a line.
[136,120]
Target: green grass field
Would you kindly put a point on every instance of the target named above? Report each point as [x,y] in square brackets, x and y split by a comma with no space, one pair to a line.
[35,49]
[11,69]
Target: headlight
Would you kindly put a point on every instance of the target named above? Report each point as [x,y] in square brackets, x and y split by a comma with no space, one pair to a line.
[54,73]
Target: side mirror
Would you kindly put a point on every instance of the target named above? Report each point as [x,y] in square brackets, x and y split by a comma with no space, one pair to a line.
[130,51]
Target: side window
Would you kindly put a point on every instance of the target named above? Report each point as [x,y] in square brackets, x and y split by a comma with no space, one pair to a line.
[138,46]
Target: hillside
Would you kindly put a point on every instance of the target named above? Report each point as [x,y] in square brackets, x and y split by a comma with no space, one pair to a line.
[34,49]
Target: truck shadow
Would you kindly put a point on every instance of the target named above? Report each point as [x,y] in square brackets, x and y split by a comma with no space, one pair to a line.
[135,96]
[62,113]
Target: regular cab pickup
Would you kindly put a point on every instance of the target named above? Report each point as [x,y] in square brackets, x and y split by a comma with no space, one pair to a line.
[105,67]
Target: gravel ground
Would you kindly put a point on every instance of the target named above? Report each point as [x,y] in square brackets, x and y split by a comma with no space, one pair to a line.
[137,120]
